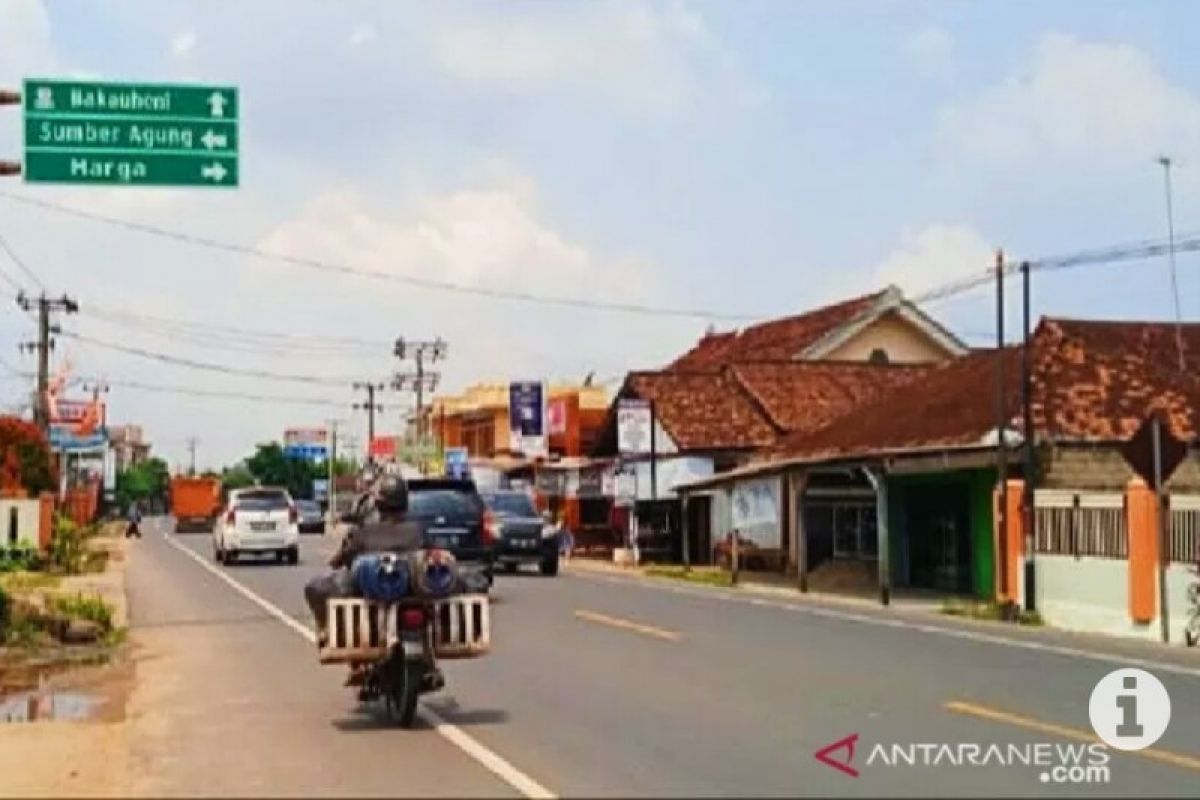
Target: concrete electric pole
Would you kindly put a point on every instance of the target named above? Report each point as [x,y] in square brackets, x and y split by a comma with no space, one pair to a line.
[370,407]
[191,443]
[420,379]
[43,346]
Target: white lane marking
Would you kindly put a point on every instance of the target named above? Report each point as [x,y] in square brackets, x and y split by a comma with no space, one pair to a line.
[490,760]
[975,636]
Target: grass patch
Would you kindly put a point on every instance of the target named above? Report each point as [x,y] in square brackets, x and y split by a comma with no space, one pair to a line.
[24,582]
[990,610]
[708,576]
[78,606]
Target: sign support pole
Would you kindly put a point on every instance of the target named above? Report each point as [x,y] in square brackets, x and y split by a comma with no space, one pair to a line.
[1163,520]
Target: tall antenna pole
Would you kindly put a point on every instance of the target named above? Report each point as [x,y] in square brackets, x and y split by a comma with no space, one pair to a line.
[1165,161]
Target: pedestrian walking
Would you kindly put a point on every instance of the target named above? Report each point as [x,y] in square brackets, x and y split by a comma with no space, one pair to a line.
[566,539]
[134,518]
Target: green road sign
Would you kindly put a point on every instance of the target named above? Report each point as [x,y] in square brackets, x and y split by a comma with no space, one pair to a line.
[130,133]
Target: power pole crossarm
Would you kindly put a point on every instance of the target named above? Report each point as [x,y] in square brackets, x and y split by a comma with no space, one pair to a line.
[370,407]
[43,346]
[421,379]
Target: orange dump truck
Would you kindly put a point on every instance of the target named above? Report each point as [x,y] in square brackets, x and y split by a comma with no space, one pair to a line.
[195,503]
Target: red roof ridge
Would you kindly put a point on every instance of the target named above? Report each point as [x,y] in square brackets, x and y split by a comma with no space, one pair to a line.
[1119,323]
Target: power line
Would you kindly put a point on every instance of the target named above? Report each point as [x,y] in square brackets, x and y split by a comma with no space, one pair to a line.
[218,394]
[208,329]
[21,264]
[1139,250]
[216,341]
[362,272]
[204,365]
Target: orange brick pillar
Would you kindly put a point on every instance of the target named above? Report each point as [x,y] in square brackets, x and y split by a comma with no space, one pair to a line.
[1014,545]
[1141,508]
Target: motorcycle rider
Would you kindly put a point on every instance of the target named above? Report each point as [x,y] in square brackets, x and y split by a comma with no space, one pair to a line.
[382,528]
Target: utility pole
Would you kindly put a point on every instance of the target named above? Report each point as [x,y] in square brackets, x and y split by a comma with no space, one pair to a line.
[1165,161]
[191,443]
[1002,425]
[1028,519]
[43,346]
[9,98]
[420,379]
[370,407]
[332,459]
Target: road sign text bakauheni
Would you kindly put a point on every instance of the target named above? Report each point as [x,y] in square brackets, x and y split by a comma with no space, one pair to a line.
[130,133]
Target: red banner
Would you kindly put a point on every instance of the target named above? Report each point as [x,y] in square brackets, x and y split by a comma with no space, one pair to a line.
[556,416]
[383,447]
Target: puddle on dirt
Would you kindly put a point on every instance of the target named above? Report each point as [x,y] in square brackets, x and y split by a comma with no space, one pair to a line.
[41,705]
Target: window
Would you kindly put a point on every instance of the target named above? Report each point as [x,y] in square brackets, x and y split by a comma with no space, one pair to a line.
[845,530]
[517,505]
[879,356]
[442,503]
[855,531]
[262,501]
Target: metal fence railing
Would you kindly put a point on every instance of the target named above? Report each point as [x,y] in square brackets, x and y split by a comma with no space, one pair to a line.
[1080,524]
[1183,537]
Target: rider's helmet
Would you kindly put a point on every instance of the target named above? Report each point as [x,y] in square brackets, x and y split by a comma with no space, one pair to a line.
[391,495]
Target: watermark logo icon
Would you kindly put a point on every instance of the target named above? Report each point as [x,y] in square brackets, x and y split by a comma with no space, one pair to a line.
[1130,709]
[826,755]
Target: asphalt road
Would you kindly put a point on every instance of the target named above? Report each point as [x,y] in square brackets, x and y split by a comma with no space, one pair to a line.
[610,687]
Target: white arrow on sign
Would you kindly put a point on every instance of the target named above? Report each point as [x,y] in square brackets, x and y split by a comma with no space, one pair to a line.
[212,140]
[216,171]
[216,104]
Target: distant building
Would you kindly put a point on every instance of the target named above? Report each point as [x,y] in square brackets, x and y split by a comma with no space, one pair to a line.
[478,418]
[128,446]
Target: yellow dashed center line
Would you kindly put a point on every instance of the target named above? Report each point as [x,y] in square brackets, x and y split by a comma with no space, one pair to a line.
[1078,734]
[630,625]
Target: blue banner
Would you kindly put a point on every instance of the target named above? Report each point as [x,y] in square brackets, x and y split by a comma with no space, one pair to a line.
[305,452]
[63,437]
[527,417]
[456,462]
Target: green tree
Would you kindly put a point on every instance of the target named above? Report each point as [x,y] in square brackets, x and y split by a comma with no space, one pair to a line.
[238,476]
[271,467]
[146,480]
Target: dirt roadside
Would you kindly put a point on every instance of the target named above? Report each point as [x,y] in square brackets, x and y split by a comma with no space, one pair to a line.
[60,758]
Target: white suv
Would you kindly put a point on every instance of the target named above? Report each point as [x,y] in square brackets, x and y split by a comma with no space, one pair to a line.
[258,520]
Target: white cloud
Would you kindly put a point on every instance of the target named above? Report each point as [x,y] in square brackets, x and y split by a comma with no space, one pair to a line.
[931,49]
[362,33]
[934,256]
[656,58]
[25,45]
[182,44]
[1095,102]
[484,237]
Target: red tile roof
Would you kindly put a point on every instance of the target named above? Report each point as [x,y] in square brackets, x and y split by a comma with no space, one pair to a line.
[703,410]
[952,405]
[1092,381]
[803,396]
[776,340]
[1097,380]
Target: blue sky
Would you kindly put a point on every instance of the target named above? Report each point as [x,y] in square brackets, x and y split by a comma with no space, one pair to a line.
[747,157]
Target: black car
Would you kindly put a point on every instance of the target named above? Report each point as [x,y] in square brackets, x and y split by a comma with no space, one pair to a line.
[311,517]
[525,536]
[455,519]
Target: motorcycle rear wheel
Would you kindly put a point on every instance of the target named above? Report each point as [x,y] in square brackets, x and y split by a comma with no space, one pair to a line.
[404,686]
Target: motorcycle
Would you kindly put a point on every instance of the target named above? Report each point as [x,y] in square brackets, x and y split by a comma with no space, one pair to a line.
[395,643]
